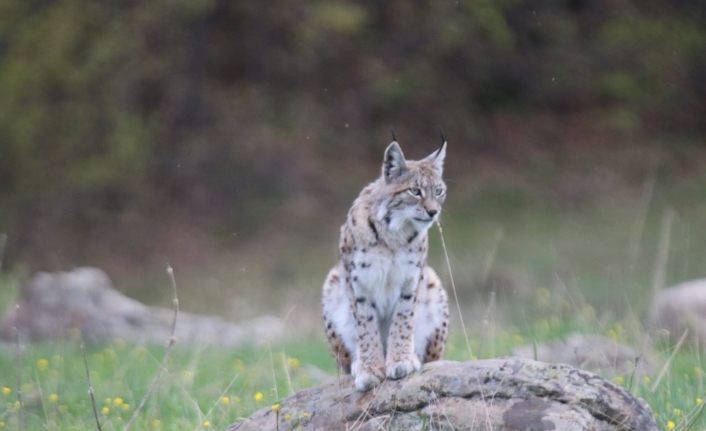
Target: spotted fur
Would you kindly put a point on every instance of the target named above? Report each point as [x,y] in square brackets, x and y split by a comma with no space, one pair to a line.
[385,311]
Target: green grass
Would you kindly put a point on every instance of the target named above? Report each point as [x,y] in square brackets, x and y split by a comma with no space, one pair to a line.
[587,270]
[211,388]
[213,385]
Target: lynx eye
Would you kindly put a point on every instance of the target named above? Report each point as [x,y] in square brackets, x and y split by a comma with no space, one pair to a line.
[439,191]
[415,191]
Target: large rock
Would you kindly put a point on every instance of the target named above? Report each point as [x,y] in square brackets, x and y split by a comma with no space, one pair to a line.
[590,352]
[494,394]
[53,305]
[678,308]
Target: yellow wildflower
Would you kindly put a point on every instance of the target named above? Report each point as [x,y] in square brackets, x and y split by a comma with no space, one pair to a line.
[542,326]
[258,396]
[276,407]
[699,401]
[238,366]
[615,332]
[125,407]
[119,343]
[588,312]
[117,402]
[2,425]
[206,423]
[53,397]
[6,391]
[293,362]
[156,424]
[105,411]
[543,296]
[42,364]
[670,425]
[225,400]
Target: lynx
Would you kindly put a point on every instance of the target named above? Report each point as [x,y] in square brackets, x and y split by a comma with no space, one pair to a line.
[385,311]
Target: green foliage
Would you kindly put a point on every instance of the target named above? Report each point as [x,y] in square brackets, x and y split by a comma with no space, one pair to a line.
[646,56]
[109,110]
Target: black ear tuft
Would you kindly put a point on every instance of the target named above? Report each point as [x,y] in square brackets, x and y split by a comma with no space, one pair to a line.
[443,138]
[392,132]
[437,158]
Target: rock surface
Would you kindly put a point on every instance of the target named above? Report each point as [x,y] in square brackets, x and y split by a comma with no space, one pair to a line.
[590,352]
[494,394]
[678,308]
[52,305]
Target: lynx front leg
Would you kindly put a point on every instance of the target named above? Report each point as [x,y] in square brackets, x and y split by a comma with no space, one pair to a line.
[368,369]
[401,358]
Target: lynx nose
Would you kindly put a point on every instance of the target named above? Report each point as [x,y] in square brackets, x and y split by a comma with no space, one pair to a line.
[432,213]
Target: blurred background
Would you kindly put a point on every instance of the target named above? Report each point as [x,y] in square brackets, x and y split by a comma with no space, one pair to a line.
[229,138]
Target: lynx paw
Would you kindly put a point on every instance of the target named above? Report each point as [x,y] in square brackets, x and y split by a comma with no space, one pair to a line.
[397,370]
[367,378]
[366,381]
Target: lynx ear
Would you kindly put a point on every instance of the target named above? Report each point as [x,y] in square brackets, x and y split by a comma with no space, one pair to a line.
[437,158]
[393,164]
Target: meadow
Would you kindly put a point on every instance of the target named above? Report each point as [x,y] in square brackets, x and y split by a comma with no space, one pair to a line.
[45,386]
[229,139]
[536,273]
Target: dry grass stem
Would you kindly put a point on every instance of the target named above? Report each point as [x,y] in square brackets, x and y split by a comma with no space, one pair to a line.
[639,226]
[274,374]
[453,287]
[167,351]
[659,277]
[285,365]
[489,260]
[668,364]
[287,375]
[18,358]
[90,387]
[3,243]
[207,416]
[458,308]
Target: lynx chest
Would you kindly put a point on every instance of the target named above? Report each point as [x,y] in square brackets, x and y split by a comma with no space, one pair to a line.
[382,275]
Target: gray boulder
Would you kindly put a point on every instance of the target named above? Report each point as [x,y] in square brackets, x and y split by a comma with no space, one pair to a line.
[590,352]
[494,394]
[53,305]
[678,308]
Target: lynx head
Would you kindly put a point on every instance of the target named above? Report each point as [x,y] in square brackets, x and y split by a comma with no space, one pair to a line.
[416,188]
